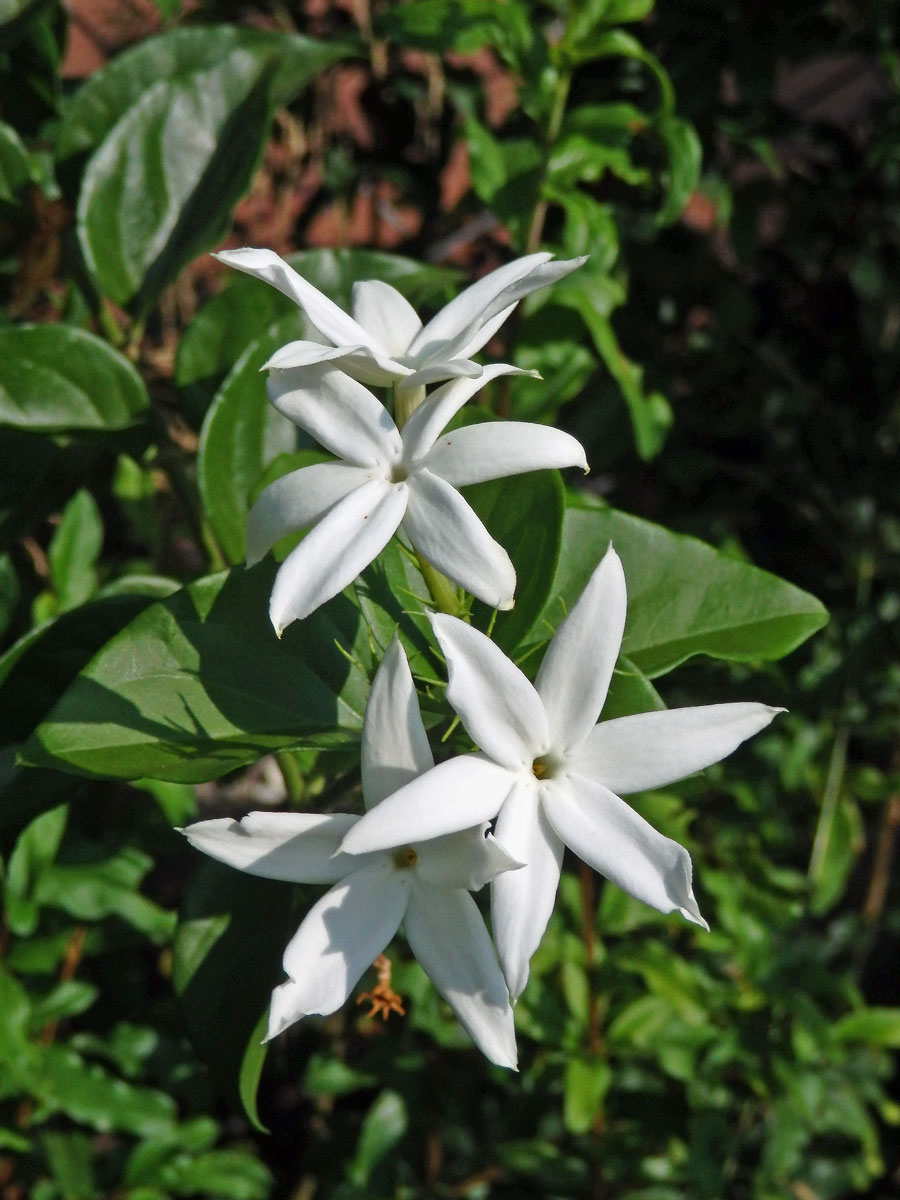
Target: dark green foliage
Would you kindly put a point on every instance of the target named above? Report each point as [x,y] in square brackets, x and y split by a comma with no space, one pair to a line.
[728,357]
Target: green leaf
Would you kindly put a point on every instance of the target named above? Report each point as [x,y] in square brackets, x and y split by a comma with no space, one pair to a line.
[685,597]
[383,1126]
[244,310]
[42,664]
[14,167]
[161,187]
[524,514]
[616,43]
[877,1026]
[59,379]
[74,550]
[92,891]
[32,854]
[231,924]
[70,1156]
[685,156]
[630,692]
[97,106]
[16,16]
[198,684]
[242,434]
[587,1080]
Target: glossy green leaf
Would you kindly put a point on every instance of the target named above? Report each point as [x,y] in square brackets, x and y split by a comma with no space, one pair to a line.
[241,435]
[877,1026]
[14,170]
[74,550]
[42,664]
[587,1080]
[231,925]
[685,598]
[684,154]
[56,378]
[383,1126]
[161,187]
[198,684]
[524,513]
[99,104]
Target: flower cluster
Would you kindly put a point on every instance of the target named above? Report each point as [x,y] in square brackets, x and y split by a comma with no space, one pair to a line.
[544,770]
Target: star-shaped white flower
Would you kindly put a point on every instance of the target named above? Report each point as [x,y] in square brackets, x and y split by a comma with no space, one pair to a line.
[386,479]
[552,776]
[422,886]
[384,342]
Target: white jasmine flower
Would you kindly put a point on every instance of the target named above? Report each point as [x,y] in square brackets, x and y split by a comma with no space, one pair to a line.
[386,479]
[552,776]
[421,885]
[384,342]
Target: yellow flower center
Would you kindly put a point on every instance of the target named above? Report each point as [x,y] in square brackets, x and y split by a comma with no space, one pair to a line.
[399,474]
[405,858]
[540,767]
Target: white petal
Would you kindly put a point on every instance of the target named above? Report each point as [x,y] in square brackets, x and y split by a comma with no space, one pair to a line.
[574,677]
[341,935]
[522,901]
[616,841]
[467,308]
[493,449]
[278,845]
[435,372]
[649,750]
[463,860]
[498,706]
[297,500]
[447,531]
[335,551]
[359,362]
[481,326]
[330,320]
[394,743]
[339,412]
[447,935]
[454,795]
[432,415]
[385,314]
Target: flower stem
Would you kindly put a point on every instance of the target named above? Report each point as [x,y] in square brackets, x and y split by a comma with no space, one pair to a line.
[292,776]
[406,401]
[443,593]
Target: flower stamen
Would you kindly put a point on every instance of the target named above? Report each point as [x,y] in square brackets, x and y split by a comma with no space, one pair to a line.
[382,997]
[405,858]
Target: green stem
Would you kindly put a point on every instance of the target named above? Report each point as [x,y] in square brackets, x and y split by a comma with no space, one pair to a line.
[406,401]
[292,776]
[551,133]
[443,593]
[109,326]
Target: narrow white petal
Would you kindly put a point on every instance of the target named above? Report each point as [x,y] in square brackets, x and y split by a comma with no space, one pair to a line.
[574,677]
[616,841]
[436,372]
[470,305]
[278,845]
[493,449]
[297,500]
[454,795]
[334,552]
[341,935]
[446,933]
[522,901]
[430,418]
[394,743]
[483,334]
[649,750]
[330,320]
[463,860]
[474,335]
[498,706]
[446,530]
[385,314]
[359,362]
[339,412]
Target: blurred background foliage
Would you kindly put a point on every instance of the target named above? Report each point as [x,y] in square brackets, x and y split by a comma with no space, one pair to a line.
[729,357]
